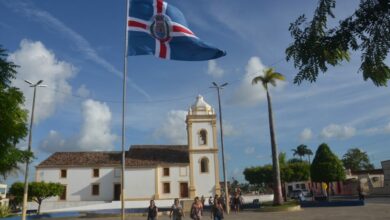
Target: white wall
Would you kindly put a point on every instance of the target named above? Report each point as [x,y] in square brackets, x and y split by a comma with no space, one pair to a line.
[139,183]
[79,182]
[174,179]
[204,182]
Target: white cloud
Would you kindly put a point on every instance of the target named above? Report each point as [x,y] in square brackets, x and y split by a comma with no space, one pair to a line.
[83,91]
[249,150]
[36,63]
[306,134]
[173,128]
[248,94]
[338,131]
[95,133]
[83,46]
[214,70]
[55,142]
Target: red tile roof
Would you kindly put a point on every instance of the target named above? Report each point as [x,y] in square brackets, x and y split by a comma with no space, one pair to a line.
[137,156]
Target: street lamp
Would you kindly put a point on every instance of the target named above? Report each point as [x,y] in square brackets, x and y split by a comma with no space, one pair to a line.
[38,84]
[219,87]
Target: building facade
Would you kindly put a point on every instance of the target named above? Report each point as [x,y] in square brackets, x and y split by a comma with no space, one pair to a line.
[152,171]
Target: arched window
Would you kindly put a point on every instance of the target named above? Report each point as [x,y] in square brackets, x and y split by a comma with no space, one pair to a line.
[202,137]
[204,165]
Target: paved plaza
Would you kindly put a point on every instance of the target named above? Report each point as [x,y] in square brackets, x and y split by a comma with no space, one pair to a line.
[375,209]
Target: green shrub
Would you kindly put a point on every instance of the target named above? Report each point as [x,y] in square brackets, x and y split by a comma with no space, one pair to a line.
[4,211]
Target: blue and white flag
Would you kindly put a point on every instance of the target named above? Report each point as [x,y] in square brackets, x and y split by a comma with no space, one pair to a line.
[159,29]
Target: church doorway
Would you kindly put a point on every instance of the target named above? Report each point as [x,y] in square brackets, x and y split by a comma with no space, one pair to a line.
[183,190]
[117,191]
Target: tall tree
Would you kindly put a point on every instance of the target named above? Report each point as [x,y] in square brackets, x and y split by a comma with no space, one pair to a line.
[300,151]
[13,119]
[326,167]
[315,46]
[38,191]
[270,77]
[357,160]
[308,152]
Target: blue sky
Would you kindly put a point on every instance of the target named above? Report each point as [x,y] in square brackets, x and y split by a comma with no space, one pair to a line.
[77,47]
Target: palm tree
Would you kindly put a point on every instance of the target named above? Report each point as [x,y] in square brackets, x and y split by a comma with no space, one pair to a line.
[309,153]
[270,77]
[300,151]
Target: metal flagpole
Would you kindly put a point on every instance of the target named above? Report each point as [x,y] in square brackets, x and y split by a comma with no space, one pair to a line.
[123,115]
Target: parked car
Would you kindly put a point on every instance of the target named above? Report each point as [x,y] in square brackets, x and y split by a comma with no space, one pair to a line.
[296,194]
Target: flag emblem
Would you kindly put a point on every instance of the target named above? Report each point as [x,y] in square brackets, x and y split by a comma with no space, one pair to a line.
[160,29]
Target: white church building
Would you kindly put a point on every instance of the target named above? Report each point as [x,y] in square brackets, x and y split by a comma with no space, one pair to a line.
[152,171]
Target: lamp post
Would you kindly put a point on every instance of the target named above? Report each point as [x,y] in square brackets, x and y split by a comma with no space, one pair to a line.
[38,84]
[219,87]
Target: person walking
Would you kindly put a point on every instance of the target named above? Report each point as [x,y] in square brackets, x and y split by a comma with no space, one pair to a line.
[211,201]
[217,210]
[221,200]
[236,202]
[176,212]
[152,211]
[196,209]
[241,199]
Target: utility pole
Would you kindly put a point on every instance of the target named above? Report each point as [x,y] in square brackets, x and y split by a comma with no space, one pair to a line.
[25,194]
[219,87]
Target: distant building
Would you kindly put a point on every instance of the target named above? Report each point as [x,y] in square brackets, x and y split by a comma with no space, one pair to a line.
[3,195]
[372,182]
[385,189]
[152,171]
[386,172]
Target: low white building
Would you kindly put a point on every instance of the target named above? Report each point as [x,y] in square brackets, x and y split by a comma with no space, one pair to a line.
[3,195]
[152,171]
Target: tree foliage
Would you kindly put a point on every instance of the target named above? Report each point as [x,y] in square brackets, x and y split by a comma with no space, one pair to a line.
[269,77]
[357,160]
[16,190]
[300,151]
[295,171]
[13,119]
[290,171]
[316,46]
[261,175]
[38,191]
[326,167]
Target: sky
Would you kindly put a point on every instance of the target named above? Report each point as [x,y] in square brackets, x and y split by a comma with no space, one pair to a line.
[77,49]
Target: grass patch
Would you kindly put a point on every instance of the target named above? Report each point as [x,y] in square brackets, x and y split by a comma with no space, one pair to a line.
[286,206]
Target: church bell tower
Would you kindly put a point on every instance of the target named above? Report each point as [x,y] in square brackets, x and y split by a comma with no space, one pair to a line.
[203,149]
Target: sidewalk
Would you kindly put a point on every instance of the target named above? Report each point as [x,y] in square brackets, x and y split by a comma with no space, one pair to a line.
[375,209]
